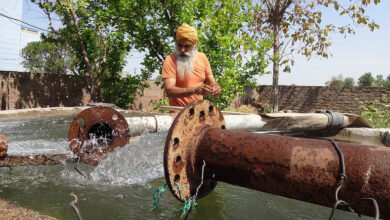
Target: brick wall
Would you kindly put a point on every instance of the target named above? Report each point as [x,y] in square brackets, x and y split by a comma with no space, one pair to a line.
[151,96]
[25,90]
[309,98]
[21,90]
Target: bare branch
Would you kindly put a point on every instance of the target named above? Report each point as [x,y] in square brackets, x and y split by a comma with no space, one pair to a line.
[83,51]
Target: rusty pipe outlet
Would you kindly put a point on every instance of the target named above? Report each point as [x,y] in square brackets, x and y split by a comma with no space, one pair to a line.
[97,131]
[298,168]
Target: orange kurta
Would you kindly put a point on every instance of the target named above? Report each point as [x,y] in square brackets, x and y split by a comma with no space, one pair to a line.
[201,69]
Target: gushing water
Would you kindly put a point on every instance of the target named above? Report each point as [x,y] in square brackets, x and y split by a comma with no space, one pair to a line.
[36,136]
[136,163]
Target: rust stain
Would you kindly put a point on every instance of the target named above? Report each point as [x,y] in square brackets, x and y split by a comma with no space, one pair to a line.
[298,168]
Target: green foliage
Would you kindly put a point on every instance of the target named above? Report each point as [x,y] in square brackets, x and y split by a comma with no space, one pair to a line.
[51,57]
[121,90]
[387,82]
[299,27]
[100,33]
[340,82]
[234,56]
[349,82]
[336,82]
[302,23]
[379,81]
[159,103]
[366,80]
[98,48]
[376,112]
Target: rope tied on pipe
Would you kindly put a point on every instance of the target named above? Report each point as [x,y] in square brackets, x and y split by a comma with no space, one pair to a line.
[342,177]
[188,204]
[159,191]
[191,202]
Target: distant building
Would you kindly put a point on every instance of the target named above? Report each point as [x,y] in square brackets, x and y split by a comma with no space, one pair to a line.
[14,36]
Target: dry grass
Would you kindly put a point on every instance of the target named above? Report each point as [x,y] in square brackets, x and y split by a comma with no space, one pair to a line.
[246,109]
[8,211]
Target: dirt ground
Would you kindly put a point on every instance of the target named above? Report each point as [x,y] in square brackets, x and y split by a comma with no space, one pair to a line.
[13,212]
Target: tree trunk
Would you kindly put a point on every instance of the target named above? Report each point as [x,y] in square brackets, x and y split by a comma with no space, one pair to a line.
[85,56]
[276,65]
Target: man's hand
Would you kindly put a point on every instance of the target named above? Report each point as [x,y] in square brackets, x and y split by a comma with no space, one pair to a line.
[198,90]
[203,90]
[216,90]
[206,90]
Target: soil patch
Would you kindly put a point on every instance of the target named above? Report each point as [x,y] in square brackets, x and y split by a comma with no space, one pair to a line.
[8,211]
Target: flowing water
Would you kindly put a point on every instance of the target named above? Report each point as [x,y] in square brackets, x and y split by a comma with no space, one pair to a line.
[121,186]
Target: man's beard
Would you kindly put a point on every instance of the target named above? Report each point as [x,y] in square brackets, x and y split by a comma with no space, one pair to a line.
[185,63]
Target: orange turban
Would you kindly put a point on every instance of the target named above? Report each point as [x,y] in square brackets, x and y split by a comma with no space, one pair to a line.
[187,32]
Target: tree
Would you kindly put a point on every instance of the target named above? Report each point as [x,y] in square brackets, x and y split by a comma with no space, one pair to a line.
[387,82]
[234,55]
[336,82]
[98,46]
[340,82]
[379,81]
[366,80]
[349,82]
[50,57]
[296,26]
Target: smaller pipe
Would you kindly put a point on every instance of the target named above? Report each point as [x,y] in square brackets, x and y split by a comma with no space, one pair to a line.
[247,122]
[367,136]
[150,124]
[162,123]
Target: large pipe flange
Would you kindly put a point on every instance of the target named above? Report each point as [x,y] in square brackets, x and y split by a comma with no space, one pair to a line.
[181,175]
[97,131]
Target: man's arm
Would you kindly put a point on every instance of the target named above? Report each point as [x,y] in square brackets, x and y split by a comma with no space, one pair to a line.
[173,91]
[216,89]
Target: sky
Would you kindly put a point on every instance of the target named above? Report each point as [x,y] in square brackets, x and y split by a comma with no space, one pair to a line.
[352,56]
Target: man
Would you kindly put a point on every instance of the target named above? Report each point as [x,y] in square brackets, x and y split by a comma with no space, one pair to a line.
[185,71]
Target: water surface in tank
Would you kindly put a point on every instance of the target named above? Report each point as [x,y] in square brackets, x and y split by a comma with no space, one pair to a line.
[121,186]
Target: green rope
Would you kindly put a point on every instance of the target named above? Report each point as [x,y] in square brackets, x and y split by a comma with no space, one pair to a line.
[159,191]
[157,195]
[188,204]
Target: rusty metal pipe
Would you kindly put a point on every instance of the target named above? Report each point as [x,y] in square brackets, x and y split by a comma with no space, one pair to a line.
[298,168]
[96,132]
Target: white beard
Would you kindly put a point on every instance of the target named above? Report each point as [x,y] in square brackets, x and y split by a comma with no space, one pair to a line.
[185,63]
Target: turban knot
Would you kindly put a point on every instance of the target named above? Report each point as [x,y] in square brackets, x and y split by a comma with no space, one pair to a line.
[187,32]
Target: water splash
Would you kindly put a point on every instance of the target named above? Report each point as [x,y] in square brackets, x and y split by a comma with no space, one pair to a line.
[39,146]
[36,135]
[136,163]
